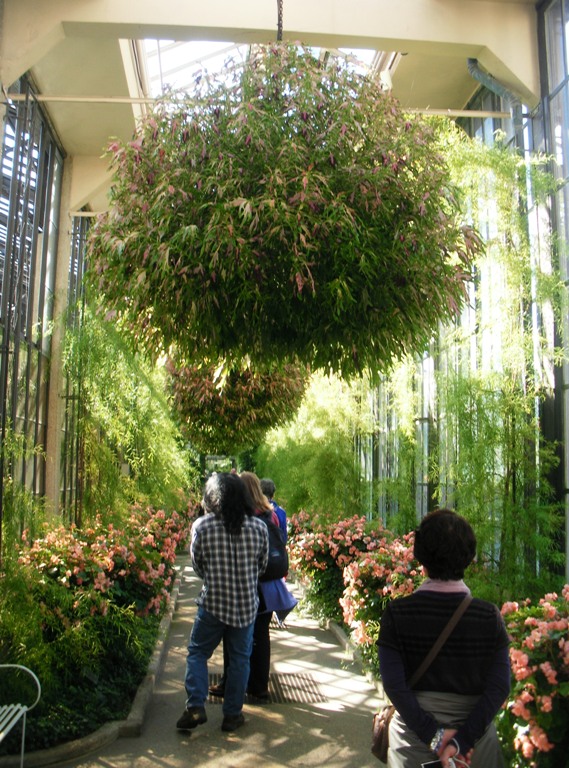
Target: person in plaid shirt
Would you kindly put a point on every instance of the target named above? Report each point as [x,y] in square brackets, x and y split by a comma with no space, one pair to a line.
[229,550]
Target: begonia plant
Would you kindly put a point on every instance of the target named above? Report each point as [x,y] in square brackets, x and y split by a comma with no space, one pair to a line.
[535,722]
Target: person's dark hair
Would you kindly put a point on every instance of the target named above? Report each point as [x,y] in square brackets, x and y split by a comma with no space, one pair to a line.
[268,487]
[227,497]
[445,544]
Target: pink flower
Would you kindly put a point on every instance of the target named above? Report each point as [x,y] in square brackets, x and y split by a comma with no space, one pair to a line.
[509,608]
[549,597]
[527,747]
[523,744]
[361,636]
[545,703]
[549,672]
[539,738]
[520,664]
[520,710]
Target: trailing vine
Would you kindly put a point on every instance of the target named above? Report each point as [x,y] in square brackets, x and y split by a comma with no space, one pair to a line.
[132,447]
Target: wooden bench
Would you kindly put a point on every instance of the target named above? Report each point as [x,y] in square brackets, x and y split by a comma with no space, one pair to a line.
[11,714]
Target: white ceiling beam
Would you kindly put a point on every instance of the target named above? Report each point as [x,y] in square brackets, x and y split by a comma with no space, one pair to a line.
[46,98]
[501,35]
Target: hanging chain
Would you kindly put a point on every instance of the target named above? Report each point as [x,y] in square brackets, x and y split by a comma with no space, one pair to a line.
[280,20]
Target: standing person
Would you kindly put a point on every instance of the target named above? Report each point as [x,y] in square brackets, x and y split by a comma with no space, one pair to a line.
[229,550]
[449,713]
[258,685]
[268,488]
[273,596]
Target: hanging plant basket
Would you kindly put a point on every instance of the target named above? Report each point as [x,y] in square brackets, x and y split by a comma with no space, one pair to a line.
[225,411]
[290,212]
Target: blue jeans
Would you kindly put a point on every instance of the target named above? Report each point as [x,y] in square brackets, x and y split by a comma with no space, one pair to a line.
[207,633]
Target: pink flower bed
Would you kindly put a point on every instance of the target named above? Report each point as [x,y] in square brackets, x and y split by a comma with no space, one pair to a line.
[537,713]
[131,566]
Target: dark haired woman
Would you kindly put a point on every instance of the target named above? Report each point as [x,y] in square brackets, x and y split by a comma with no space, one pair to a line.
[449,712]
[229,549]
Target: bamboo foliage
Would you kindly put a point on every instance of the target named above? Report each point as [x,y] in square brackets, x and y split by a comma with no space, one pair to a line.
[476,397]
[229,411]
[491,460]
[132,448]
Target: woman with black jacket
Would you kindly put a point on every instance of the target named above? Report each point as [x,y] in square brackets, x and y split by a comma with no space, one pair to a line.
[449,712]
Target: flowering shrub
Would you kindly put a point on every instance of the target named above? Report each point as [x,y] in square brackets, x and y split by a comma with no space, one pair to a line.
[315,542]
[319,550]
[83,608]
[350,571]
[387,572]
[129,567]
[535,722]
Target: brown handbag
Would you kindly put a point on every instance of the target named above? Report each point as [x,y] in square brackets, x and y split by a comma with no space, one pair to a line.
[382,719]
[380,734]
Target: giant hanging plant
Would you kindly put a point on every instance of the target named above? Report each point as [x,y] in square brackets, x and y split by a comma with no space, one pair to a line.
[290,210]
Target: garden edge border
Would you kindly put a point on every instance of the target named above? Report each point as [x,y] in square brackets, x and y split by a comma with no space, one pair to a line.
[106,734]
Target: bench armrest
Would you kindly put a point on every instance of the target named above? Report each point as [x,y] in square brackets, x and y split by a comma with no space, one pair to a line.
[33,676]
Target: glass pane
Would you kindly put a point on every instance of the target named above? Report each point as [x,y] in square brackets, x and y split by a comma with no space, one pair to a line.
[566,30]
[562,206]
[559,135]
[565,331]
[554,43]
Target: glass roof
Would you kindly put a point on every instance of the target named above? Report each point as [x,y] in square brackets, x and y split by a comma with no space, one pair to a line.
[173,65]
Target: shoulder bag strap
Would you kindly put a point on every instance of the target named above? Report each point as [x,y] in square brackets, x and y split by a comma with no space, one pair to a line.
[429,658]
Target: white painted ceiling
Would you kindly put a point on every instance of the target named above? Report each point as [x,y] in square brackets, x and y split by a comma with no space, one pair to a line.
[86,78]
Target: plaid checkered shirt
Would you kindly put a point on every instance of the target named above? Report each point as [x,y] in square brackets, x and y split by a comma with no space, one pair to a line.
[230,567]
